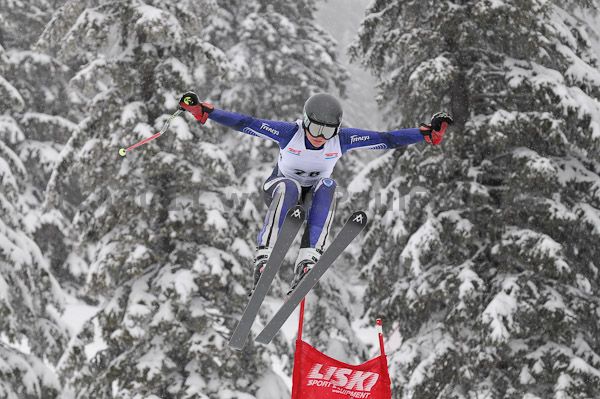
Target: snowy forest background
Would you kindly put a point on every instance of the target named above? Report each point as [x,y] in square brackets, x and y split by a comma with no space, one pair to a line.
[124,277]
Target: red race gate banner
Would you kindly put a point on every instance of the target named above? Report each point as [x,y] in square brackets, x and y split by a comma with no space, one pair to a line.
[318,376]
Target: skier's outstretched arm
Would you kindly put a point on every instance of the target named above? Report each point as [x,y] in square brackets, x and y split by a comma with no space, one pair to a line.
[353,139]
[280,132]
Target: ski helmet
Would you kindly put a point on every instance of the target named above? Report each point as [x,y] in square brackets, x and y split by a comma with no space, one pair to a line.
[322,115]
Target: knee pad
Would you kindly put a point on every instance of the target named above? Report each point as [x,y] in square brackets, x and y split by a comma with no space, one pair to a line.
[326,183]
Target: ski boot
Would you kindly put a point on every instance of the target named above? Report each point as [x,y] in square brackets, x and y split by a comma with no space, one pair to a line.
[307,257]
[260,261]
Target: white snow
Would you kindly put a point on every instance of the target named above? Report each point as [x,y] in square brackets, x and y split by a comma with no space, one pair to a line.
[44,152]
[77,313]
[229,394]
[543,246]
[430,360]
[181,281]
[22,345]
[535,161]
[360,182]
[569,97]
[278,365]
[33,372]
[152,362]
[431,73]
[271,386]
[563,385]
[499,312]
[461,224]
[216,220]
[525,377]
[91,72]
[591,215]
[16,247]
[10,132]
[421,241]
[132,112]
[11,93]
[579,365]
[44,119]
[182,70]
[11,166]
[469,279]
[181,129]
[140,302]
[242,248]
[555,301]
[212,261]
[530,396]
[558,210]
[98,344]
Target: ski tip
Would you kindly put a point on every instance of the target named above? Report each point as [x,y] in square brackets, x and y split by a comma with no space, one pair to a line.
[263,339]
[236,345]
[359,217]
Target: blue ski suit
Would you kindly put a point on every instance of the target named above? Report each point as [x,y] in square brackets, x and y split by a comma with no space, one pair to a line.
[303,171]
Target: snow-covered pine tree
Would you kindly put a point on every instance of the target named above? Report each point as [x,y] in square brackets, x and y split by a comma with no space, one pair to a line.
[31,332]
[21,22]
[167,261]
[44,120]
[491,271]
[32,336]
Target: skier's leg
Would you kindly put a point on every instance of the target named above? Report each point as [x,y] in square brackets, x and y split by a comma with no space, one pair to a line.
[320,214]
[315,236]
[280,194]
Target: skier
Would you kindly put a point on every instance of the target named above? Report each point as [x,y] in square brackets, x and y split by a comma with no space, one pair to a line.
[309,150]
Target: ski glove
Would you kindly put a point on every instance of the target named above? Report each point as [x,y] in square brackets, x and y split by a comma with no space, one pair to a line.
[434,132]
[190,102]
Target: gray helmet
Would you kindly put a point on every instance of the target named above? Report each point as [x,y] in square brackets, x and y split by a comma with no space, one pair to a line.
[322,115]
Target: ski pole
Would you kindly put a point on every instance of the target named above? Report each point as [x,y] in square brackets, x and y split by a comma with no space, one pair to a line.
[123,151]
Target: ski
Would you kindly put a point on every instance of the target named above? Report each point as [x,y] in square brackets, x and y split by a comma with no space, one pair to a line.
[350,230]
[291,225]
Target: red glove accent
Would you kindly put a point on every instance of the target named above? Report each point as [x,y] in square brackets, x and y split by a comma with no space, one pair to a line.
[431,136]
[434,132]
[200,111]
[439,135]
[190,102]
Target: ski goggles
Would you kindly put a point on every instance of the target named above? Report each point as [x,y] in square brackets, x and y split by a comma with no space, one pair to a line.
[324,131]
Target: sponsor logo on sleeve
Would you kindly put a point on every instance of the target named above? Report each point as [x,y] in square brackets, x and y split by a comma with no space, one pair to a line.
[354,138]
[269,129]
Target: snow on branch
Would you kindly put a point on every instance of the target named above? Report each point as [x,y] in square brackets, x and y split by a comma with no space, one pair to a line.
[10,94]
